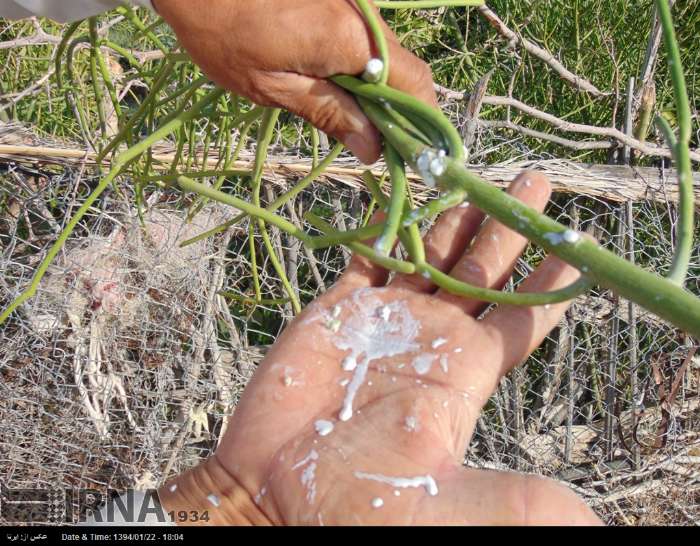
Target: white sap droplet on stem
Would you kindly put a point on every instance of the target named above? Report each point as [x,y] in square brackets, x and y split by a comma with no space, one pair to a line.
[438,166]
[458,350]
[323,427]
[397,493]
[173,488]
[373,70]
[426,481]
[422,363]
[464,205]
[424,166]
[377,502]
[336,311]
[443,363]
[426,275]
[438,342]
[553,238]
[344,382]
[570,236]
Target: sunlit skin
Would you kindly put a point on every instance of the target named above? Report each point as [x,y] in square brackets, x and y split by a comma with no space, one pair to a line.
[270,438]
[280,52]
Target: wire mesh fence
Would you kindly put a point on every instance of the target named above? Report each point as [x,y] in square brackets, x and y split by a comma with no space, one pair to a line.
[124,368]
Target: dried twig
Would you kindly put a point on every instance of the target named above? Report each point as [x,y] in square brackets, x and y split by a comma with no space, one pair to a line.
[577,81]
[616,183]
[609,132]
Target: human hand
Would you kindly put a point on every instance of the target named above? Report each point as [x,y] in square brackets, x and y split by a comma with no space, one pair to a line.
[280,52]
[362,410]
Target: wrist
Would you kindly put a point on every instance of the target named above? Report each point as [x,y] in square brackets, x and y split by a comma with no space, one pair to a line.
[210,488]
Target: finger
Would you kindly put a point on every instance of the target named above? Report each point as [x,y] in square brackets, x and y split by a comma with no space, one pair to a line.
[407,72]
[520,330]
[361,272]
[410,74]
[490,261]
[324,105]
[446,241]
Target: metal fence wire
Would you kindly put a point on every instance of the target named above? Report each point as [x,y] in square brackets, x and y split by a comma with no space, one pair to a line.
[125,367]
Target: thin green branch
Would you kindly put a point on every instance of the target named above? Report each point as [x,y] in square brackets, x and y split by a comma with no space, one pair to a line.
[380,42]
[681,149]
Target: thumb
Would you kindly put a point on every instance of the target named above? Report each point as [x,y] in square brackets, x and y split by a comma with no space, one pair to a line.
[327,107]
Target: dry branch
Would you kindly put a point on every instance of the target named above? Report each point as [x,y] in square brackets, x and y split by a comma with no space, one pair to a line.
[608,132]
[613,182]
[576,81]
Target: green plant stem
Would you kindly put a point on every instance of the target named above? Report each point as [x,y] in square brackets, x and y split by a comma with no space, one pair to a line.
[159,83]
[446,201]
[364,250]
[146,31]
[528,299]
[277,203]
[601,266]
[385,243]
[94,41]
[416,110]
[254,261]
[271,218]
[378,36]
[267,125]
[254,301]
[681,149]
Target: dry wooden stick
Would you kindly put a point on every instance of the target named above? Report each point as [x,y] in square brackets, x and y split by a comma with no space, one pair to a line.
[576,81]
[610,132]
[612,182]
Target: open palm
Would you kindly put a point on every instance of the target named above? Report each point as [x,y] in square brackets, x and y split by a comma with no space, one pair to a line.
[362,410]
